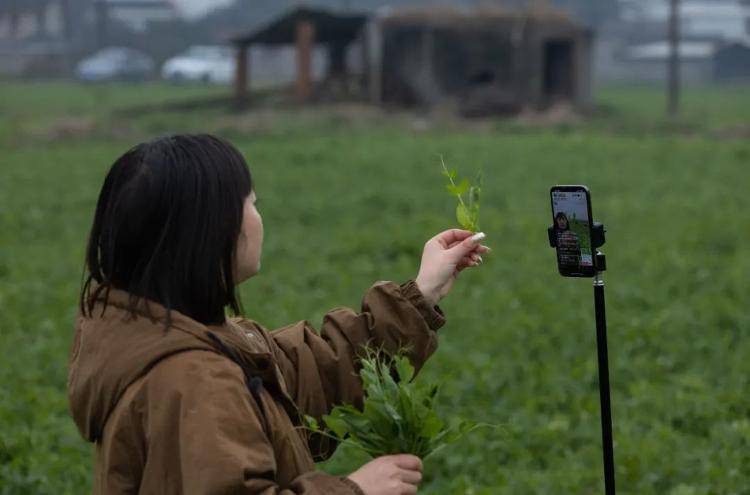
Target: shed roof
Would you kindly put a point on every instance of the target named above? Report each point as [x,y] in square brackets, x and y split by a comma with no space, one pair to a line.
[329,26]
[452,15]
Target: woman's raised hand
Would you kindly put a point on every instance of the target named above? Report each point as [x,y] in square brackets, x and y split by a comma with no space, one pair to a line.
[389,475]
[443,258]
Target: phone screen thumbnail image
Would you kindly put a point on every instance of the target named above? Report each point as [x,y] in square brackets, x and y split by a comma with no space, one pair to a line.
[573,229]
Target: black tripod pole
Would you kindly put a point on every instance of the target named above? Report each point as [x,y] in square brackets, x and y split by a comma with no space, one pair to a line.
[597,240]
[601,345]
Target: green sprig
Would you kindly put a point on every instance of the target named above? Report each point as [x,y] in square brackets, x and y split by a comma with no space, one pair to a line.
[466,214]
[398,415]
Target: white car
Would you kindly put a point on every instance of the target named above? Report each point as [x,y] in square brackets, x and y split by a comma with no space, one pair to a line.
[210,64]
[115,63]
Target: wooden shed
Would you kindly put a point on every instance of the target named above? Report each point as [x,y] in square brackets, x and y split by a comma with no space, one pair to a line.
[488,60]
[303,27]
[485,59]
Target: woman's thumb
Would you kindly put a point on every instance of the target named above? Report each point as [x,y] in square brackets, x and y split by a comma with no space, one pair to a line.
[468,244]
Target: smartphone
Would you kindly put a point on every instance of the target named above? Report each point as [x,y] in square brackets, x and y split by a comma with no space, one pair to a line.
[572,222]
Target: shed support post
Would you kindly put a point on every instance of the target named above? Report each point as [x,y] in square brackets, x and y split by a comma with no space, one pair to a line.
[241,77]
[305,44]
[374,67]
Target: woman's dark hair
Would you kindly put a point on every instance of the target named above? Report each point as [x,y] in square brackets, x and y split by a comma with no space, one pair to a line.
[166,227]
[564,217]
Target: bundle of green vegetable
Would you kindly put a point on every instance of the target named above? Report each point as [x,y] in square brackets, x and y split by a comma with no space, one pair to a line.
[467,213]
[398,415]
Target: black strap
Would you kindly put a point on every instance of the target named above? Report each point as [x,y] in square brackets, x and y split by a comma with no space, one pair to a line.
[253,383]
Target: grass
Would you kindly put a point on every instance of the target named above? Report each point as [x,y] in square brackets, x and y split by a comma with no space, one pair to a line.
[348,202]
[713,108]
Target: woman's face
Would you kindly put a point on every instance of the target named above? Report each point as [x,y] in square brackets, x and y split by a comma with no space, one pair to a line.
[562,223]
[250,241]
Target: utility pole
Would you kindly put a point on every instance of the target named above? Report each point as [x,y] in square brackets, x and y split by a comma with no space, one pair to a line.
[13,18]
[102,19]
[673,88]
[67,34]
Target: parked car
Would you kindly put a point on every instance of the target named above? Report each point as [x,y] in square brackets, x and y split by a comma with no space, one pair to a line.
[115,63]
[210,64]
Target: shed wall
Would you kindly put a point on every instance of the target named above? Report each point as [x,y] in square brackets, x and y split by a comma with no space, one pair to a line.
[488,67]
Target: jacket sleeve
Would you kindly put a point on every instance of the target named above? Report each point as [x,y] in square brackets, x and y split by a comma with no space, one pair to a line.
[207,436]
[320,368]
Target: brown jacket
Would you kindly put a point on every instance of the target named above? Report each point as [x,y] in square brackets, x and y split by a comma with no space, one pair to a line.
[214,409]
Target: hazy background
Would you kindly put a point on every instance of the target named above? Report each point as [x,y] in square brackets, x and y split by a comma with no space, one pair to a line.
[72,29]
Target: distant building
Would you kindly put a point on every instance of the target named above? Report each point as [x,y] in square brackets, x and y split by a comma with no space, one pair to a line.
[732,62]
[713,37]
[700,61]
[725,20]
[486,60]
[43,37]
[137,14]
[483,60]
[648,62]
[34,36]
[312,33]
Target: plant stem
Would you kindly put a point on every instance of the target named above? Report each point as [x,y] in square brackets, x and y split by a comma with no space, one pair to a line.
[460,200]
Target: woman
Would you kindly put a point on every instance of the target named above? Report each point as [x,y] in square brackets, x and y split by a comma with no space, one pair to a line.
[178,398]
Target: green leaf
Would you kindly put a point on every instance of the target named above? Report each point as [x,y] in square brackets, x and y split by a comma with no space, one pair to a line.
[453,190]
[337,425]
[404,369]
[431,426]
[450,174]
[474,216]
[462,187]
[464,217]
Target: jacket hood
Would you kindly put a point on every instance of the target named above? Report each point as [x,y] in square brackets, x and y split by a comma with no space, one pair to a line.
[113,348]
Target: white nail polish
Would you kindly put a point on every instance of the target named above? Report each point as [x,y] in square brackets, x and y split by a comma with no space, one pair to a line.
[478,237]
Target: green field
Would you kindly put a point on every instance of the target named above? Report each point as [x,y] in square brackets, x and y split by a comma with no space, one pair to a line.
[350,195]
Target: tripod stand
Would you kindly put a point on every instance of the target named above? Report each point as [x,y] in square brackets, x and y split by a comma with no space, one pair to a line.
[597,239]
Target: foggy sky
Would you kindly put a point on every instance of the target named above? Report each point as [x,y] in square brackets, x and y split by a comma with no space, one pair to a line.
[196,8]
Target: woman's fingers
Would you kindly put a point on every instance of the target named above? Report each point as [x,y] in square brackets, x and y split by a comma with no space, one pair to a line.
[464,263]
[481,248]
[411,477]
[449,238]
[474,256]
[407,489]
[408,462]
[472,259]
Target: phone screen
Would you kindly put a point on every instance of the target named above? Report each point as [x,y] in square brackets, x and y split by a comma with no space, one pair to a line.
[571,216]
